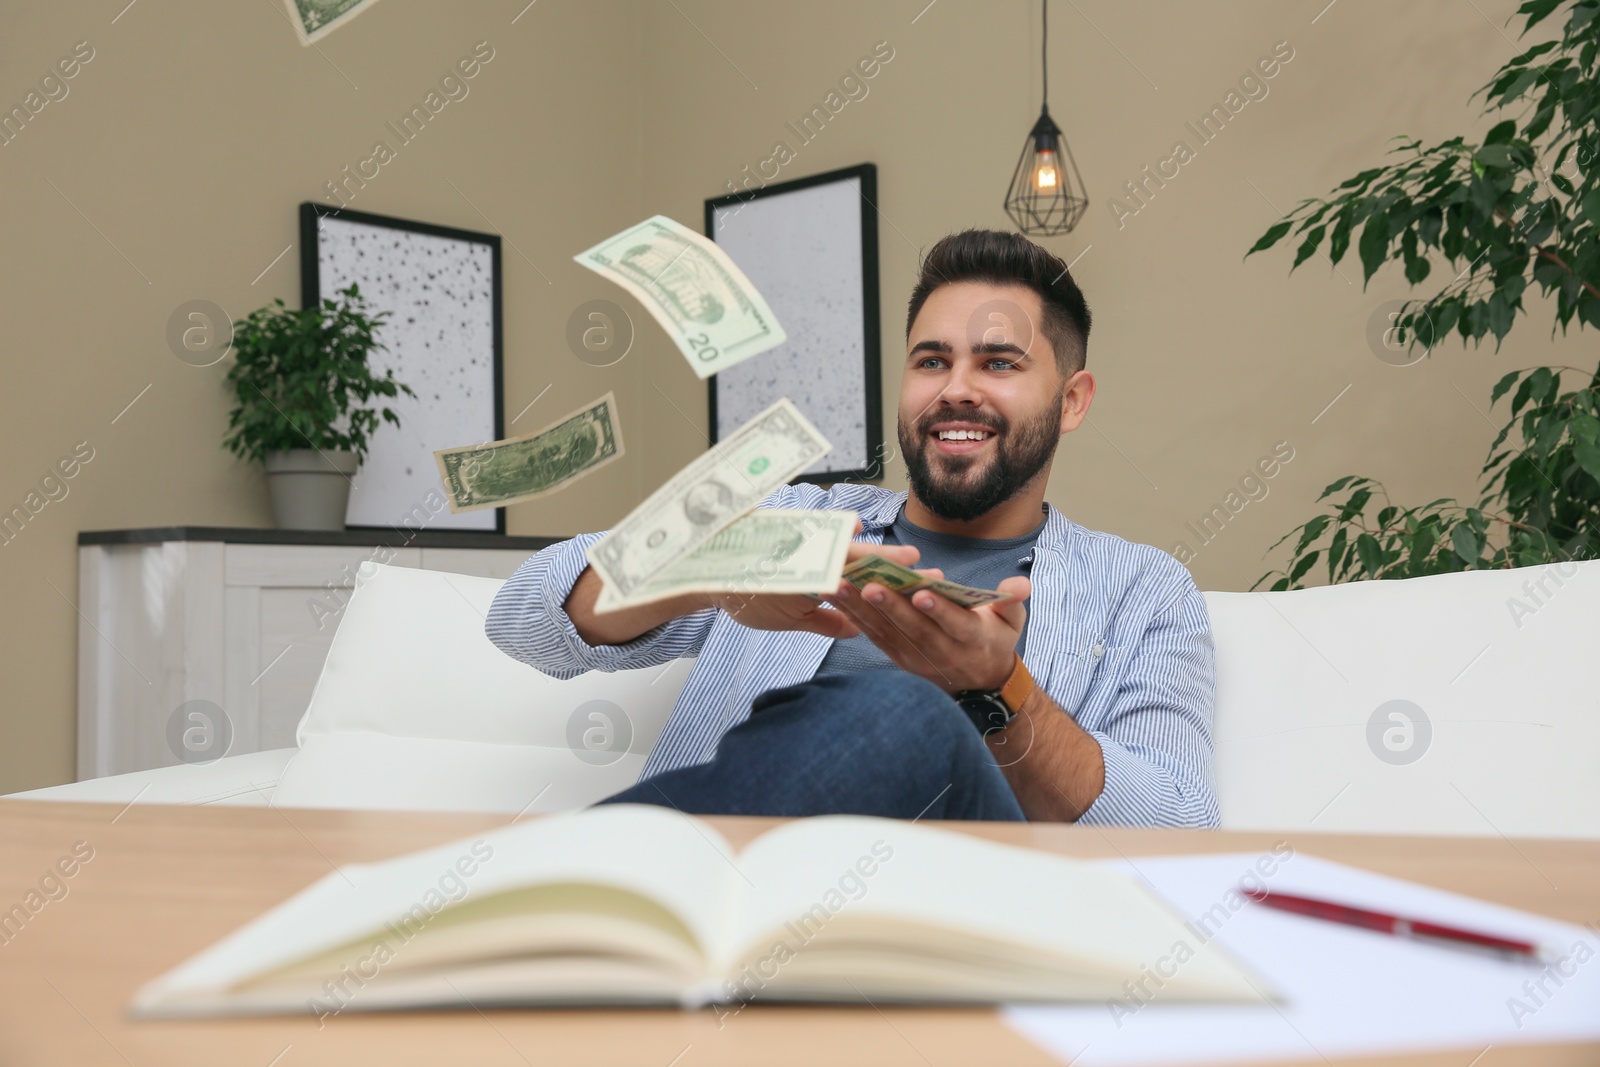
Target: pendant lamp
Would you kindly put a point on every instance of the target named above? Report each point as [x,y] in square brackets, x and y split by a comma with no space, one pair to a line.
[1046,198]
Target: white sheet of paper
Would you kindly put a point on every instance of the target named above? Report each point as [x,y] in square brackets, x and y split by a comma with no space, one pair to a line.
[1347,992]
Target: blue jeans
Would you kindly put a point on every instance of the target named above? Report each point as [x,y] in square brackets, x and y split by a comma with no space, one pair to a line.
[875,743]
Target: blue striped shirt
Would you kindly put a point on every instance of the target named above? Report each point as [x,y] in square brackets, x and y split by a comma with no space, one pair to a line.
[1118,635]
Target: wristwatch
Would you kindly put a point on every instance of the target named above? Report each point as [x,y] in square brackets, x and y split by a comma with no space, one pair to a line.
[993,709]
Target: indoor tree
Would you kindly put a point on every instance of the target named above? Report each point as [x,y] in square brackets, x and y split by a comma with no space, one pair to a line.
[1520,209]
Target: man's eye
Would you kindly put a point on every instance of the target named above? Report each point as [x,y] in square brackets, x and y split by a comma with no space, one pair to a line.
[1001,364]
[930,362]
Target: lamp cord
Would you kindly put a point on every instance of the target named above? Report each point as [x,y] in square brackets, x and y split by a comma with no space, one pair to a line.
[1044,50]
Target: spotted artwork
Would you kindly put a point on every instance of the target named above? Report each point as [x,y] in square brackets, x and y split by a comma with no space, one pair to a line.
[439,339]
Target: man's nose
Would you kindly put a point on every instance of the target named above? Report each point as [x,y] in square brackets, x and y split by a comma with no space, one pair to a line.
[963,386]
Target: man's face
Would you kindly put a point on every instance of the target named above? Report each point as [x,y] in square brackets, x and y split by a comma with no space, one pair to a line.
[981,403]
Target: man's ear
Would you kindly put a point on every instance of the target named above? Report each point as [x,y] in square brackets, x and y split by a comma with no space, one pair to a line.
[1076,396]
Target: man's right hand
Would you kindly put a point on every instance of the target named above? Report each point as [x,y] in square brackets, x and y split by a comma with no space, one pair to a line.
[796,611]
[759,611]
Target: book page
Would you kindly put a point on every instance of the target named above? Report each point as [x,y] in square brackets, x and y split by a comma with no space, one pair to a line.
[842,882]
[678,862]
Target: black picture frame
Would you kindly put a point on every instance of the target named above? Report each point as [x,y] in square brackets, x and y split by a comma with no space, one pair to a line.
[867,175]
[312,213]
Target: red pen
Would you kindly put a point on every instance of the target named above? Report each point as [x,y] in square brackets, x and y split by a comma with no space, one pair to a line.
[1396,925]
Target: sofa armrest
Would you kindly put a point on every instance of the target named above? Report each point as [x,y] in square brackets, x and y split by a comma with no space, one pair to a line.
[245,781]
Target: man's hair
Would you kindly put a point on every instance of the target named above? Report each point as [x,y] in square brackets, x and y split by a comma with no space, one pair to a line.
[1010,259]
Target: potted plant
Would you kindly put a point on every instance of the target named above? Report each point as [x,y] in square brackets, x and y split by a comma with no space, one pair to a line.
[304,408]
[1518,211]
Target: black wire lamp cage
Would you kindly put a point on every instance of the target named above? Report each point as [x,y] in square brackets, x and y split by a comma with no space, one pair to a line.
[1047,197]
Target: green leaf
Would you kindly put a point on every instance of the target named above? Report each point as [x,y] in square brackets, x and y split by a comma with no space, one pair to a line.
[1302,567]
[1591,206]
[1339,239]
[1502,385]
[1501,133]
[1312,531]
[1422,543]
[1537,10]
[1355,505]
[1500,314]
[1336,550]
[1374,244]
[1371,554]
[1494,155]
[1270,238]
[1428,226]
[1466,543]
[1587,453]
[1308,247]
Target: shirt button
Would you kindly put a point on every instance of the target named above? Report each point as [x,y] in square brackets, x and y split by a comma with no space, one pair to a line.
[1098,649]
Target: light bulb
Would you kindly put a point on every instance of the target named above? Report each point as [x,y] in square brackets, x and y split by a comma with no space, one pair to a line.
[1046,175]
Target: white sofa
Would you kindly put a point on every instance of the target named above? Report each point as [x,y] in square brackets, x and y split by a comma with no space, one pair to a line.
[1433,705]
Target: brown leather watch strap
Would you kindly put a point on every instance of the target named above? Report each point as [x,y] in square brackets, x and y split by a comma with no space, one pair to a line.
[1018,687]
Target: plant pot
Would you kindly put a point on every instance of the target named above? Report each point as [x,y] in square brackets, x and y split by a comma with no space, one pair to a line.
[310,488]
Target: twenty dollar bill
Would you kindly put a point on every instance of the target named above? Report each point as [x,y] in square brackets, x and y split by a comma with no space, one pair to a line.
[706,497]
[770,550]
[705,303]
[522,468]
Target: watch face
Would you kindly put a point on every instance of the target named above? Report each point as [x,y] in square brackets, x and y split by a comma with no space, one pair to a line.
[986,710]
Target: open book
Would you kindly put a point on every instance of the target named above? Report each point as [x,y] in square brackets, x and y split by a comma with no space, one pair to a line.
[628,904]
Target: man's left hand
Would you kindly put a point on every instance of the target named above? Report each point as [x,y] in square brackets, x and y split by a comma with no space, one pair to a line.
[951,646]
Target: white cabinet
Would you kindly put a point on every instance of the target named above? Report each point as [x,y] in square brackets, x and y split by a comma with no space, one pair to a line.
[194,643]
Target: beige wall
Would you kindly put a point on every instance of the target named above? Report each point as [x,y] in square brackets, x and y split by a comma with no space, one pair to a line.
[172,169]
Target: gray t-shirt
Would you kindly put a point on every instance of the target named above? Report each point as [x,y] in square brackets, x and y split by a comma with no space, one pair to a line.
[976,561]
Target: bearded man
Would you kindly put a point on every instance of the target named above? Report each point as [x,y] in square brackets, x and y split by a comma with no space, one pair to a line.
[1086,697]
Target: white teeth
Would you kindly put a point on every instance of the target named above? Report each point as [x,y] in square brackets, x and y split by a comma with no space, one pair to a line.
[964,435]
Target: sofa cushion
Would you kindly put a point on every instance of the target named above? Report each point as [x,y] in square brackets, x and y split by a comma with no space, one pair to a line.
[416,709]
[378,771]
[1461,703]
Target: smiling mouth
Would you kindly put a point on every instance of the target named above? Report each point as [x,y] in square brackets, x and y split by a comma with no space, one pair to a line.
[961,441]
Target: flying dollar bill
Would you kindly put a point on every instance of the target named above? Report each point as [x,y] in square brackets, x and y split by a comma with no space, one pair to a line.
[315,19]
[770,550]
[706,497]
[892,575]
[522,468]
[691,287]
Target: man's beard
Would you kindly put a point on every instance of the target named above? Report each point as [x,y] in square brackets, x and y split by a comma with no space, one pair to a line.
[958,488]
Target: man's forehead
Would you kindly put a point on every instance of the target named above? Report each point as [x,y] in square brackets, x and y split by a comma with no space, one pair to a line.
[979,318]
[968,307]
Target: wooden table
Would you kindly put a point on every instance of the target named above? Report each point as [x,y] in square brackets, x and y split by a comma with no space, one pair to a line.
[165,882]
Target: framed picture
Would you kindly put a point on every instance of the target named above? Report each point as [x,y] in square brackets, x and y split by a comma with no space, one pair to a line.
[811,247]
[441,287]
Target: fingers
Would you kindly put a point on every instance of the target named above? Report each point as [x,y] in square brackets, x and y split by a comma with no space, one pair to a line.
[834,624]
[888,618]
[899,630]
[1014,612]
[950,617]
